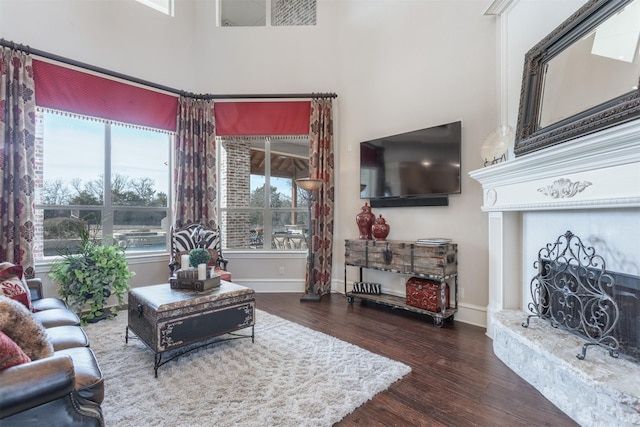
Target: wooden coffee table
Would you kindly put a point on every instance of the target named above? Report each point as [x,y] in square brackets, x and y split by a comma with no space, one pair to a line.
[179,321]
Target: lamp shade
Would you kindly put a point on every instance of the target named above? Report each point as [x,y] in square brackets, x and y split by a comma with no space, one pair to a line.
[309,184]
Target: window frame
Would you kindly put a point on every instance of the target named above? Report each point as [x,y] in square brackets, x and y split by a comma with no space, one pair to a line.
[107,209]
[167,10]
[268,210]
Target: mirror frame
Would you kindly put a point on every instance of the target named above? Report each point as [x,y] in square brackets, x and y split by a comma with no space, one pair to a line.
[529,136]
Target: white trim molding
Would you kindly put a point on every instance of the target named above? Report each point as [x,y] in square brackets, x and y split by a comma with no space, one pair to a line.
[609,161]
[499,7]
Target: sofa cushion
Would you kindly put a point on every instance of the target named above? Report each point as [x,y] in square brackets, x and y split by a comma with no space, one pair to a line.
[47,304]
[19,324]
[10,353]
[63,337]
[14,285]
[57,317]
[89,379]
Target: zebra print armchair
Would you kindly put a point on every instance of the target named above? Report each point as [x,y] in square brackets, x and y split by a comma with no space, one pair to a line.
[196,235]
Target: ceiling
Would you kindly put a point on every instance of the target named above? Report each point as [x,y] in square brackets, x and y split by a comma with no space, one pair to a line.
[282,166]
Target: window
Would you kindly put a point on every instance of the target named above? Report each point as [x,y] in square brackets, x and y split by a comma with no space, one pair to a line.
[260,204]
[164,6]
[257,13]
[76,160]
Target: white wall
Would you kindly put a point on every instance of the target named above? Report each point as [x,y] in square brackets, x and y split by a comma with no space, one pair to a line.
[405,66]
[396,67]
[123,35]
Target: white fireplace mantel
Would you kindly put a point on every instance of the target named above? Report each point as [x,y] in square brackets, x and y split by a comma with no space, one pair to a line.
[596,171]
[609,161]
[599,172]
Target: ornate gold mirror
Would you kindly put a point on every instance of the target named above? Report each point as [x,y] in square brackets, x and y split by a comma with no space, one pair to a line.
[582,77]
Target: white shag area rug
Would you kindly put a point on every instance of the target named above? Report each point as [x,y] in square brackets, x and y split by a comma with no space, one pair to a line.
[291,376]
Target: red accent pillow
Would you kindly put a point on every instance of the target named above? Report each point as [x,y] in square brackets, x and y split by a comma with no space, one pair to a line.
[13,284]
[10,353]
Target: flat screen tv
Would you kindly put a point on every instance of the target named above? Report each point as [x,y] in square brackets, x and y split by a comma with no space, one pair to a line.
[419,164]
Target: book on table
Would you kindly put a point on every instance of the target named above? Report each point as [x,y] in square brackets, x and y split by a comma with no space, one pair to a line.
[433,241]
[195,284]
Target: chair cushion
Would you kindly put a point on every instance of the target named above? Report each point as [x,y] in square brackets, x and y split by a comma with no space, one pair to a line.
[89,378]
[47,304]
[19,324]
[224,275]
[57,317]
[10,353]
[63,337]
[14,285]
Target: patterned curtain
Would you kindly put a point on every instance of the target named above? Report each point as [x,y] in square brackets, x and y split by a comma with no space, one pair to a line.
[195,164]
[17,158]
[321,166]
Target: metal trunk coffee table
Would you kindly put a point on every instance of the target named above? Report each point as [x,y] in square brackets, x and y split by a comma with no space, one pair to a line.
[179,321]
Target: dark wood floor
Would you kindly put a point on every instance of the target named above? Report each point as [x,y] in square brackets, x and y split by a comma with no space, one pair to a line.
[456,380]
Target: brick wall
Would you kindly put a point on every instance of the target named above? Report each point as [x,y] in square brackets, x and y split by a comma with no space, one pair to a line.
[235,172]
[293,12]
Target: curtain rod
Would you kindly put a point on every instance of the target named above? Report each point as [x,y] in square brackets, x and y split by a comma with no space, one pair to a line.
[29,51]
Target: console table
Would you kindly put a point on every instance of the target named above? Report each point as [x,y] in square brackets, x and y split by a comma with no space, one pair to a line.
[438,262]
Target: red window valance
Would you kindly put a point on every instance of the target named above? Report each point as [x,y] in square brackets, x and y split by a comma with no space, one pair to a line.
[262,118]
[66,89]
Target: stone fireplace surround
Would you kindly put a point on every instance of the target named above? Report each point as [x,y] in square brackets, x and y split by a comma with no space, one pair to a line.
[591,186]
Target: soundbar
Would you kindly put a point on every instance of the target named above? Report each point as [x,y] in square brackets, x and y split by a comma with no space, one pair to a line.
[396,202]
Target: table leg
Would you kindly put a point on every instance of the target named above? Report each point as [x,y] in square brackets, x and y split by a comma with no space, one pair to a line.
[158,359]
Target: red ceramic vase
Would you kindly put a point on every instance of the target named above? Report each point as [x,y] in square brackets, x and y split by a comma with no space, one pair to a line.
[380,228]
[365,220]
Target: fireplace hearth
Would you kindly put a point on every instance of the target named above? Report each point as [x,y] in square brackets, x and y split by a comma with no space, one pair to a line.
[599,390]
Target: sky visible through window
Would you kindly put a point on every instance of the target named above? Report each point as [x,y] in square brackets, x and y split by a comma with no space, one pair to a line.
[282,184]
[74,148]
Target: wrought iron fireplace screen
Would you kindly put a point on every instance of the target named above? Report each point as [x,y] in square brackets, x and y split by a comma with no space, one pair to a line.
[574,292]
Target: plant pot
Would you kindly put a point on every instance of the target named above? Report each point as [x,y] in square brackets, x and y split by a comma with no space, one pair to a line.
[99,318]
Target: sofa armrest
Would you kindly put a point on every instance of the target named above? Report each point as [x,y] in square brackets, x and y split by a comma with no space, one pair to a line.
[43,392]
[35,383]
[35,287]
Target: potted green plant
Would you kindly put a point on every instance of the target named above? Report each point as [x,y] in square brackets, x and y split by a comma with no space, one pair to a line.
[199,256]
[87,279]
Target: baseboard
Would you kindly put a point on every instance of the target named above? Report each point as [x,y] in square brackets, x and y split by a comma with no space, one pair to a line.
[472,314]
[273,286]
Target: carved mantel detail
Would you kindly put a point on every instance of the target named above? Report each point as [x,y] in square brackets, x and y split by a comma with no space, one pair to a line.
[564,188]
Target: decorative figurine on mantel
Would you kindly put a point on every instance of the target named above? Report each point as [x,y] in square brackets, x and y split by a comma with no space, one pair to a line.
[380,229]
[365,220]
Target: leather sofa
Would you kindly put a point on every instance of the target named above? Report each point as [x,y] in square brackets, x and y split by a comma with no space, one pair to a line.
[65,389]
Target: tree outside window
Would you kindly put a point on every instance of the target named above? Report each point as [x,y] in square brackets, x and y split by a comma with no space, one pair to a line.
[76,160]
